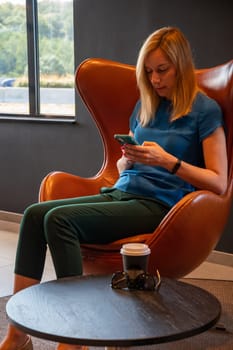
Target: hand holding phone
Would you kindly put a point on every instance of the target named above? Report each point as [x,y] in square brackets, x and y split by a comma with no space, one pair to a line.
[124,139]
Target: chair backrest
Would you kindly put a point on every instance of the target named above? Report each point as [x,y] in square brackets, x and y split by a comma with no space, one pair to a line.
[217,82]
[110,92]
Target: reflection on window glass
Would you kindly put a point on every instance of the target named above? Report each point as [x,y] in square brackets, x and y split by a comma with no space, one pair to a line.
[13,58]
[56,57]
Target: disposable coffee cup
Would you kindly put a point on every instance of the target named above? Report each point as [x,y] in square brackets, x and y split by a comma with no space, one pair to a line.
[135,258]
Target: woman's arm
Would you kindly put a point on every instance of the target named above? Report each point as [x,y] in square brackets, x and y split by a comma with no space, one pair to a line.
[213,177]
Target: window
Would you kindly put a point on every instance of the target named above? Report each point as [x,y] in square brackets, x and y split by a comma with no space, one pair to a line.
[37,59]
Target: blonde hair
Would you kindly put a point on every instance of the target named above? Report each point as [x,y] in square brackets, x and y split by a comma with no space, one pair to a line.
[174,44]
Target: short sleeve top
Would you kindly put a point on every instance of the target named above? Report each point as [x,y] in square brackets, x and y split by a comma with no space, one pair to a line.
[182,138]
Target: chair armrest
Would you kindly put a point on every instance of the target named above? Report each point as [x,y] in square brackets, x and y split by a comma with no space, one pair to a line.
[198,209]
[59,185]
[190,231]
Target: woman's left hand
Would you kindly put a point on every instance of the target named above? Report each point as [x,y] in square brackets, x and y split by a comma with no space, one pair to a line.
[150,153]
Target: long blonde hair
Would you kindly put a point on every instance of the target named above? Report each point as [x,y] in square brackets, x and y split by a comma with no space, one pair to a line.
[174,44]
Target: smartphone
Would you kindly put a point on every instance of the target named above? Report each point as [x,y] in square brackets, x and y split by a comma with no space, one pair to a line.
[124,138]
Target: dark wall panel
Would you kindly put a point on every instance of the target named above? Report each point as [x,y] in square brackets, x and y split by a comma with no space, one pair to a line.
[119,27]
[30,150]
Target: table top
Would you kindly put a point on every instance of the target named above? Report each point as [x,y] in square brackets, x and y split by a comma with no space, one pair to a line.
[86,310]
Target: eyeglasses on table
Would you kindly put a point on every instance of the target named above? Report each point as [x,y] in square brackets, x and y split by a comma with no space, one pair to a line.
[143,281]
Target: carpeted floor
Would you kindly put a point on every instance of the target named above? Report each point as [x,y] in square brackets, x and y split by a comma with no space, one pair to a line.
[214,339]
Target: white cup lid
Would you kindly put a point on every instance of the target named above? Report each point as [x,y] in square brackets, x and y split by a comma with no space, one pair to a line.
[135,249]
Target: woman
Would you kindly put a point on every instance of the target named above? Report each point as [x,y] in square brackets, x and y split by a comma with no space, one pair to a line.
[181,148]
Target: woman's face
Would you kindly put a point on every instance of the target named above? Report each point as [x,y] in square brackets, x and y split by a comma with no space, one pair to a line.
[161,72]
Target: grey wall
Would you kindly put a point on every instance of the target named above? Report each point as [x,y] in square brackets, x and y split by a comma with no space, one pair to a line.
[113,29]
[117,28]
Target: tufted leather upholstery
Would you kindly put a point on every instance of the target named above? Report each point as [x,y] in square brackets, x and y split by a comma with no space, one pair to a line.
[193,227]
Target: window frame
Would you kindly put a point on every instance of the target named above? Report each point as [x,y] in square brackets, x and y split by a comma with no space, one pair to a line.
[34,71]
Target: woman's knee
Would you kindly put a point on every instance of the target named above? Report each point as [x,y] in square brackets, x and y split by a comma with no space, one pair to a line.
[34,212]
[54,222]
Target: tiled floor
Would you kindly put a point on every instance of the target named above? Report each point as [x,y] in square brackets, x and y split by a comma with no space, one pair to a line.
[217,266]
[8,243]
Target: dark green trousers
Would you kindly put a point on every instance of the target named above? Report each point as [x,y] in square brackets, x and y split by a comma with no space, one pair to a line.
[63,224]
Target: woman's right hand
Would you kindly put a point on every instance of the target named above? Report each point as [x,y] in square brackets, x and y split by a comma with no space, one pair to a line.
[124,163]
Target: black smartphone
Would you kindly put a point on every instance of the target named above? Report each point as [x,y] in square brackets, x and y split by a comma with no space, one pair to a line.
[124,138]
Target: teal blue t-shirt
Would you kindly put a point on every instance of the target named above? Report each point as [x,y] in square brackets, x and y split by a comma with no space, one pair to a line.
[182,138]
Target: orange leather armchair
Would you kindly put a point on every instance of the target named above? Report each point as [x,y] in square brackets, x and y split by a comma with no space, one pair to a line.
[193,227]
